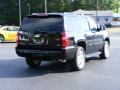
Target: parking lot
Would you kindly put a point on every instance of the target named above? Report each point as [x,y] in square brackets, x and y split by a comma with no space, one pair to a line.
[97,74]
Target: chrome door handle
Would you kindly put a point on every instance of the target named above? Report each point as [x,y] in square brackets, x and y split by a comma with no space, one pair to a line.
[85,35]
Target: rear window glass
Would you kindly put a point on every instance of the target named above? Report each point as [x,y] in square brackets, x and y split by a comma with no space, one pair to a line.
[42,24]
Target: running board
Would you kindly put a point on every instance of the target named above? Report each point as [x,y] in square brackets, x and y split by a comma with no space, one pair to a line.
[93,54]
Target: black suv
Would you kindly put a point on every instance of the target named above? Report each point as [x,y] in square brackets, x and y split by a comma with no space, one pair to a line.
[63,37]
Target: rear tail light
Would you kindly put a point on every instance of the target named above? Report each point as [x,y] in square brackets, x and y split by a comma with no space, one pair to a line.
[65,40]
[17,38]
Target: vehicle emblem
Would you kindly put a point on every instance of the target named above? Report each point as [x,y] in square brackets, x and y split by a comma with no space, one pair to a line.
[38,39]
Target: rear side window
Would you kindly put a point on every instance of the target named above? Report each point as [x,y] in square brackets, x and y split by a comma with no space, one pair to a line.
[84,25]
[42,24]
[92,23]
[76,23]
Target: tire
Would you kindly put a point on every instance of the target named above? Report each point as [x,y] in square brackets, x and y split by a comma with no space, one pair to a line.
[2,39]
[79,60]
[105,52]
[32,62]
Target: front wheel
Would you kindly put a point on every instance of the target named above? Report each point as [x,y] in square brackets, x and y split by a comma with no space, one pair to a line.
[105,52]
[79,60]
[33,62]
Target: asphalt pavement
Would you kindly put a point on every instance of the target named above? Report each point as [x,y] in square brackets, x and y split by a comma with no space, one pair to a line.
[97,74]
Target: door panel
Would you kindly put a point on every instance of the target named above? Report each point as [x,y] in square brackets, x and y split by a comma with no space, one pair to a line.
[11,34]
[89,42]
[98,41]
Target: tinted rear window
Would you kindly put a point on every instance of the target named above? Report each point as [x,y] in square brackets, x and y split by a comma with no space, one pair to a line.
[42,24]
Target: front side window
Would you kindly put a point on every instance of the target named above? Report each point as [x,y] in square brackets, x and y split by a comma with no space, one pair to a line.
[15,29]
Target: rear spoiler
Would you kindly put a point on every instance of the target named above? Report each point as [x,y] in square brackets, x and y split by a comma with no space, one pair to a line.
[44,15]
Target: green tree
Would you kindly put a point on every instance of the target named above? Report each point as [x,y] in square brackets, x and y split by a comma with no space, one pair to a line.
[9,9]
[8,14]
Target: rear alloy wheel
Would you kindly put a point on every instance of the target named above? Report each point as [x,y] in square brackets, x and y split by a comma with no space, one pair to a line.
[2,38]
[32,62]
[105,52]
[79,60]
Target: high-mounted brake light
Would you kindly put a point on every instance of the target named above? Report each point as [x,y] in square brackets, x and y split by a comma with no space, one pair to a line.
[65,40]
[40,14]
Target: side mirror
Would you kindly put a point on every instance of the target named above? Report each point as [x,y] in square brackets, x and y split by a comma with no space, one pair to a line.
[100,27]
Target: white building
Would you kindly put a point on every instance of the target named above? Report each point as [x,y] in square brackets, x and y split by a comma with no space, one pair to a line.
[101,17]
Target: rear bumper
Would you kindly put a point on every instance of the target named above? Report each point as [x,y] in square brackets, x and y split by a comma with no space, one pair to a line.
[66,54]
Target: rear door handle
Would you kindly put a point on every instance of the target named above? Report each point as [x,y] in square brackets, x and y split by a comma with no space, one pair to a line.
[85,35]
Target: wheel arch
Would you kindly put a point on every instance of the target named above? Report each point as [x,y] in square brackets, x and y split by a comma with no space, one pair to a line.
[82,43]
[107,39]
[2,36]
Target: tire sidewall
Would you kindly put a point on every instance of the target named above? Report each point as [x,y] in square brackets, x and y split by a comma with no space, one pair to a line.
[106,45]
[103,54]
[31,62]
[77,59]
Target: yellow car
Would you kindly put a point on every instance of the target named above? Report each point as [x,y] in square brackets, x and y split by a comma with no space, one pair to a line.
[8,33]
